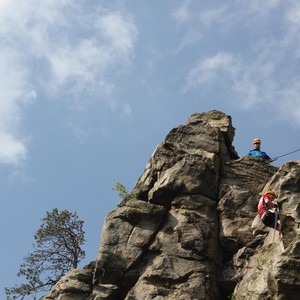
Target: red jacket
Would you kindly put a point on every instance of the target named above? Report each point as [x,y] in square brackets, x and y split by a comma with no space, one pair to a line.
[262,206]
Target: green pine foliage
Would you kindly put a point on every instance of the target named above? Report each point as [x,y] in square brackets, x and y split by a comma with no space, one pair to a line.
[57,249]
[121,189]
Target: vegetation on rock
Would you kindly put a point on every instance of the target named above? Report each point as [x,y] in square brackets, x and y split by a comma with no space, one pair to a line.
[57,249]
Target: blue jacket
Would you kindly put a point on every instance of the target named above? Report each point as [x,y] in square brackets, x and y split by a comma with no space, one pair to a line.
[258,153]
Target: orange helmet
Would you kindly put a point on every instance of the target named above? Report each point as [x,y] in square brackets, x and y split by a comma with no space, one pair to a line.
[271,193]
[256,140]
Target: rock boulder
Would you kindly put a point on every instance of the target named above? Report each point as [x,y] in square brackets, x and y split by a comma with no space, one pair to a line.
[189,228]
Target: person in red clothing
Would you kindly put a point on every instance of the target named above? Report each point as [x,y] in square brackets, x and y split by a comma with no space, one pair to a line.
[264,208]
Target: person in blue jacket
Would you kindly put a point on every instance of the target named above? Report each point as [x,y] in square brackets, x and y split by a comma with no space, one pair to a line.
[257,152]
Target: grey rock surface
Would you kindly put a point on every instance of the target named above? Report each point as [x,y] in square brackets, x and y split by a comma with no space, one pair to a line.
[189,228]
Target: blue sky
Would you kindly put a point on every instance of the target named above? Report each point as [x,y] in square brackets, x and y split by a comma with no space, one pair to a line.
[90,88]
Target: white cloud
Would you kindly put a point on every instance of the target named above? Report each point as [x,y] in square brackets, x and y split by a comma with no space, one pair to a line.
[293,15]
[120,31]
[208,70]
[248,83]
[12,151]
[64,48]
[266,71]
[224,70]
[197,19]
[15,94]
[182,13]
[86,62]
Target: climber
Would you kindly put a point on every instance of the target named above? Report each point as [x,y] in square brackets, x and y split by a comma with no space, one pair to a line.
[265,210]
[257,152]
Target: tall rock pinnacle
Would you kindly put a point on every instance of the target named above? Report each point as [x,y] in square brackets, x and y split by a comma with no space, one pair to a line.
[189,228]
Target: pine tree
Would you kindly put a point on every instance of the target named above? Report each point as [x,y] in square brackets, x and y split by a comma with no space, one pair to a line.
[57,249]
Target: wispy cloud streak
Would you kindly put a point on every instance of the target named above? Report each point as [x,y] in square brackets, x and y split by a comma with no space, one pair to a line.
[265,71]
[60,48]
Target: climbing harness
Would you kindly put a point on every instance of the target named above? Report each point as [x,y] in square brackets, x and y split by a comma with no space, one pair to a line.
[275,158]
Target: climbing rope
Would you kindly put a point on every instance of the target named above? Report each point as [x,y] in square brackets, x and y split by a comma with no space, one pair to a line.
[275,224]
[275,158]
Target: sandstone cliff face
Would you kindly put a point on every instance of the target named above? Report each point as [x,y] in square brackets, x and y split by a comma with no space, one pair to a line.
[189,229]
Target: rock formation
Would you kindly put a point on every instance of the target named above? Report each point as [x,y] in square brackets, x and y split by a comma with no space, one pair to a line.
[189,229]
